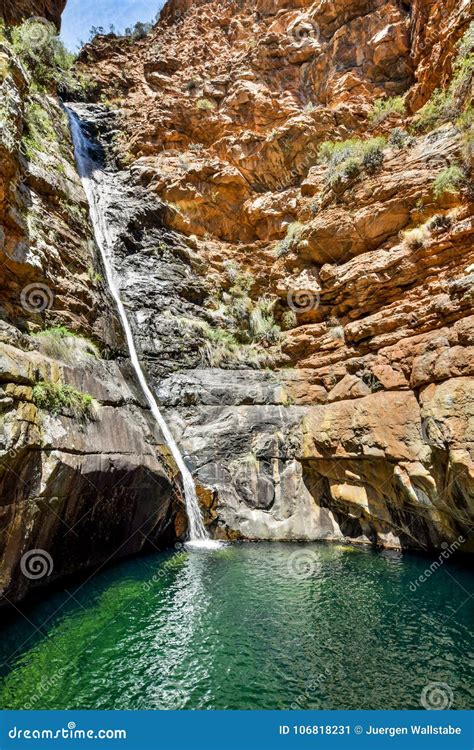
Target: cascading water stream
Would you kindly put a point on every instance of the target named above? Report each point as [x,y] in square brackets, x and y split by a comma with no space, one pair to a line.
[90,173]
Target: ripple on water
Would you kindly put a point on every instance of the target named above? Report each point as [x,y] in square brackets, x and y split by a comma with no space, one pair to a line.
[242,626]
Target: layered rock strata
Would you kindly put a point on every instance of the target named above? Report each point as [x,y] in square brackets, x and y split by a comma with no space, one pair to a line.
[360,424]
[85,475]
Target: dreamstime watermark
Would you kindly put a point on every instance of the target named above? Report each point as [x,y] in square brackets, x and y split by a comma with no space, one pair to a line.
[36,298]
[71,732]
[12,452]
[448,550]
[37,31]
[312,688]
[434,433]
[302,300]
[437,696]
[425,46]
[164,570]
[303,564]
[36,564]
[304,30]
[42,690]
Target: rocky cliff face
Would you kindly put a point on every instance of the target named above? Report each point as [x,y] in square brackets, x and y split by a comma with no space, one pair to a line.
[84,473]
[296,253]
[16,11]
[292,211]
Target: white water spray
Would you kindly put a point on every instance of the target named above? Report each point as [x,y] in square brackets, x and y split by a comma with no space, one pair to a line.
[90,174]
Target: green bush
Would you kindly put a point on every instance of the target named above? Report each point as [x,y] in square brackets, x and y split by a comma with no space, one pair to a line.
[39,129]
[289,320]
[465,121]
[292,235]
[347,159]
[437,109]
[45,57]
[383,108]
[61,343]
[372,154]
[57,398]
[57,331]
[262,326]
[399,138]
[447,104]
[448,181]
[439,222]
[249,328]
[205,104]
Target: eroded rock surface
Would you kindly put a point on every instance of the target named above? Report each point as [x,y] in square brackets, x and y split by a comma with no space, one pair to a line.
[306,322]
[76,489]
[359,426]
[16,11]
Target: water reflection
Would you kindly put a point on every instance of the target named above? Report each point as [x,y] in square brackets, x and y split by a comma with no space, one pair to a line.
[246,627]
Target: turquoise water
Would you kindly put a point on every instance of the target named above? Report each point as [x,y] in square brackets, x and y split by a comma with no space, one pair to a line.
[247,626]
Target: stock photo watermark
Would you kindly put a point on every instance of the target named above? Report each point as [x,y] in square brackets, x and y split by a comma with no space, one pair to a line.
[37,564]
[437,696]
[448,550]
[36,298]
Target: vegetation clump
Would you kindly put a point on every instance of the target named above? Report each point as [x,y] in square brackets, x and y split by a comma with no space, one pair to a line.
[139,31]
[383,108]
[399,138]
[40,130]
[440,222]
[290,241]
[246,330]
[205,104]
[447,105]
[61,343]
[58,398]
[346,160]
[416,238]
[448,181]
[47,60]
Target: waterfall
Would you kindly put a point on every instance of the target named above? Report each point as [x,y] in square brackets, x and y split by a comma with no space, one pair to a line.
[91,173]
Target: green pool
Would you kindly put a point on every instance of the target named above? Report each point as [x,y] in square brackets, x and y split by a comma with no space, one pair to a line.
[247,626]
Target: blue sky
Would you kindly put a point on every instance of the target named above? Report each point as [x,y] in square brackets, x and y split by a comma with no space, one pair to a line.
[80,15]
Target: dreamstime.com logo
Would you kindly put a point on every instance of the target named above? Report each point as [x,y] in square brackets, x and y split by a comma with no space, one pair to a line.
[448,550]
[67,733]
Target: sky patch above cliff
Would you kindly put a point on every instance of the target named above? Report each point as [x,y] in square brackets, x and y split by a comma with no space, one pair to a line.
[80,15]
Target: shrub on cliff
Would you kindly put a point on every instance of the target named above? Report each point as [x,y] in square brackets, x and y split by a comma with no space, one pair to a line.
[383,108]
[46,58]
[447,104]
[345,160]
[57,398]
[39,129]
[290,240]
[205,104]
[399,138]
[42,52]
[61,343]
[448,181]
[416,238]
[246,329]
